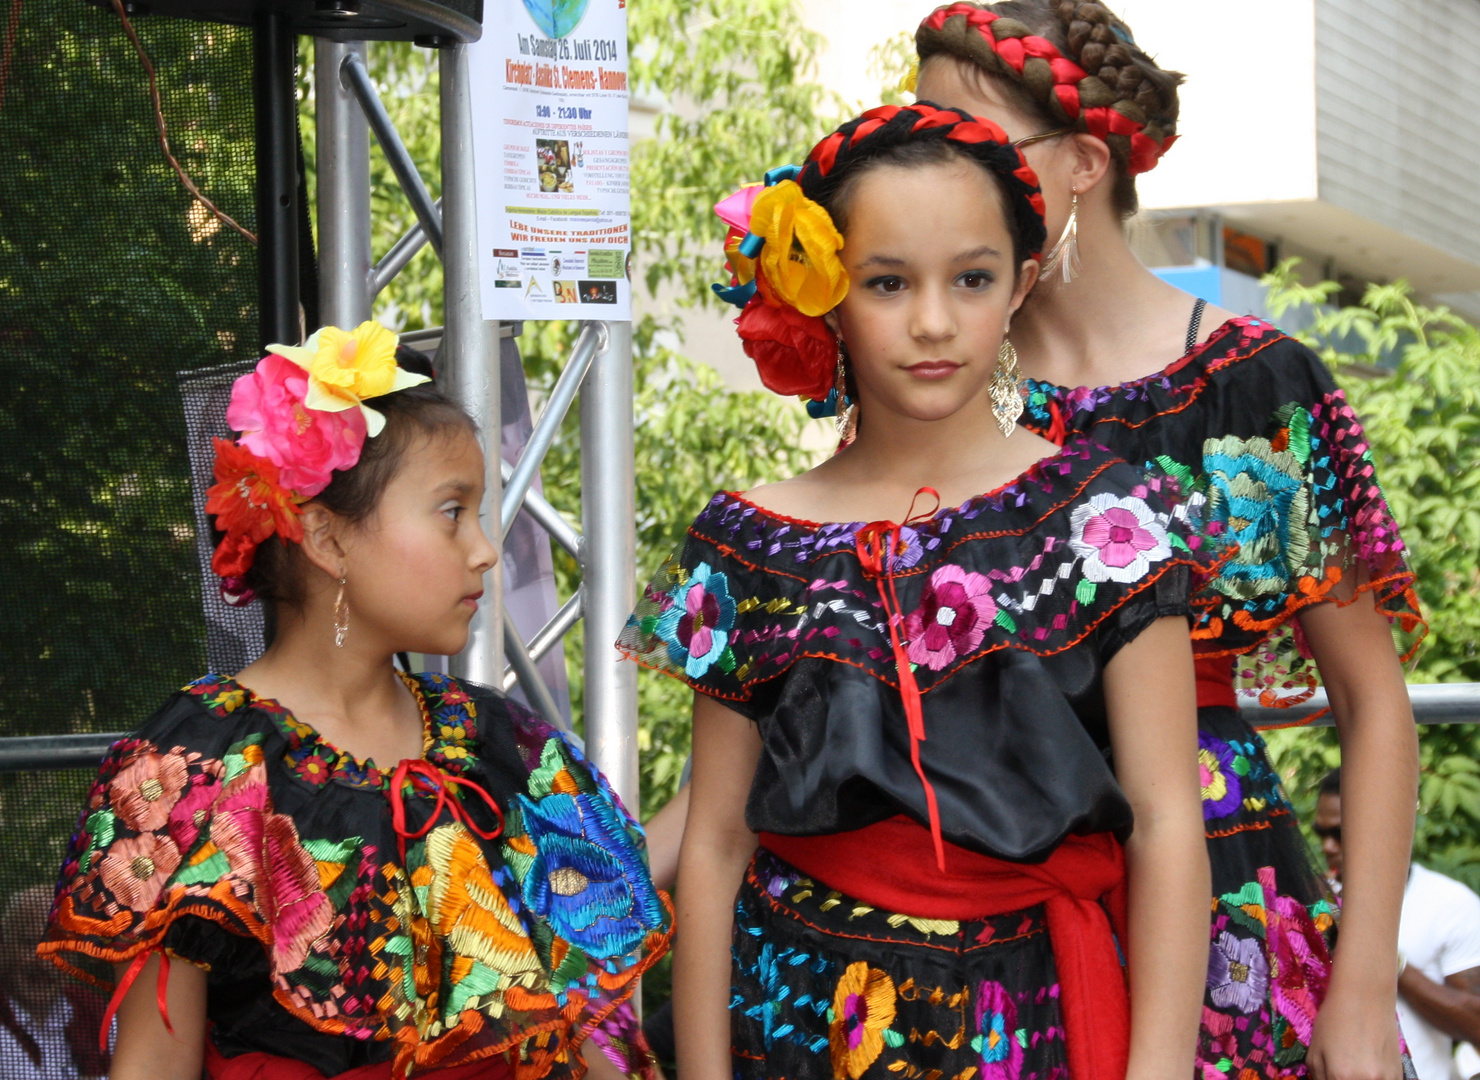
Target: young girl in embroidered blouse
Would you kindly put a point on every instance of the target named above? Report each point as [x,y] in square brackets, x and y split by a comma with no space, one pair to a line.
[905,834]
[1254,419]
[269,901]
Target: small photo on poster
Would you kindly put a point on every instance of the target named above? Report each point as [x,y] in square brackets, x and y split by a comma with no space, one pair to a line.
[598,292]
[565,293]
[553,157]
[507,268]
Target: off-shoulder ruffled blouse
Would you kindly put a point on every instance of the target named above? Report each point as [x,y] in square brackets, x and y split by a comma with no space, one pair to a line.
[231,835]
[1278,473]
[1012,604]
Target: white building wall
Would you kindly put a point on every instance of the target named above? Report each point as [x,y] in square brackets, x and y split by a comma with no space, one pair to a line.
[1397,102]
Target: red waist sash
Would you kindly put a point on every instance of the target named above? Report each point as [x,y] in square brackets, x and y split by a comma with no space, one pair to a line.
[900,876]
[256,1066]
[1215,682]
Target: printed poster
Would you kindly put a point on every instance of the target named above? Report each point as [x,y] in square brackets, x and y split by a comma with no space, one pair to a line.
[549,85]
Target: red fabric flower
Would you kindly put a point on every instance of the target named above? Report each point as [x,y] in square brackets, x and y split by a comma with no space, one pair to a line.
[249,505]
[795,354]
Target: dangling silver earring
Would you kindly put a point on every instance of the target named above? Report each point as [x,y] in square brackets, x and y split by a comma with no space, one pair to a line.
[846,416]
[1005,392]
[1064,258]
[341,616]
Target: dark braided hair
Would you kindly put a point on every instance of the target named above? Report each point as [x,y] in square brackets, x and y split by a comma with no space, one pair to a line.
[919,134]
[1100,81]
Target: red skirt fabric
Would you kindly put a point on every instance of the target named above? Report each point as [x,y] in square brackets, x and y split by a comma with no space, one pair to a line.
[1081,887]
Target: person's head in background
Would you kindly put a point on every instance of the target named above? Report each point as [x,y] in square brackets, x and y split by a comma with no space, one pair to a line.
[1327,822]
[31,982]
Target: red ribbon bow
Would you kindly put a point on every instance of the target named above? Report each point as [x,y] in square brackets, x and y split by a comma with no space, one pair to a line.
[877,544]
[426,779]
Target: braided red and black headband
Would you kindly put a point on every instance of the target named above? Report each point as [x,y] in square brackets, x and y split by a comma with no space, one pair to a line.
[1017,49]
[891,125]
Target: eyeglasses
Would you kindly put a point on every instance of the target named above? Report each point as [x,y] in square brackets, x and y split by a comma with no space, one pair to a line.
[1042,136]
[1327,832]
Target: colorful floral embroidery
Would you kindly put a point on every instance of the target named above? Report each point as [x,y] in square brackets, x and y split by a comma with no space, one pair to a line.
[996,1022]
[1238,974]
[863,1007]
[698,621]
[1118,538]
[468,950]
[955,610]
[1221,792]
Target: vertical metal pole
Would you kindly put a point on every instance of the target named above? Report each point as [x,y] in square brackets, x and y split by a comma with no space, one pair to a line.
[469,355]
[344,190]
[274,95]
[609,560]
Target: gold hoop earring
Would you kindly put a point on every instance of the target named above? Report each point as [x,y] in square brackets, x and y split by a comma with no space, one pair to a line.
[846,416]
[341,616]
[1005,391]
[1064,258]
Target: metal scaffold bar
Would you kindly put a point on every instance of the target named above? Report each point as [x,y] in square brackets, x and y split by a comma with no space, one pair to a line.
[522,665]
[357,78]
[608,515]
[551,633]
[551,520]
[469,351]
[401,253]
[343,189]
[591,338]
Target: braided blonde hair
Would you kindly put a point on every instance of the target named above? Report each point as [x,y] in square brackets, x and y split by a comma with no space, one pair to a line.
[1099,73]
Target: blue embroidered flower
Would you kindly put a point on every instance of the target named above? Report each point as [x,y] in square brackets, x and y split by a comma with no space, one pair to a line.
[1261,498]
[698,621]
[587,879]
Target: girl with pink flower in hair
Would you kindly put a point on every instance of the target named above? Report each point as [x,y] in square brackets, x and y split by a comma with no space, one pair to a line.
[942,823]
[321,866]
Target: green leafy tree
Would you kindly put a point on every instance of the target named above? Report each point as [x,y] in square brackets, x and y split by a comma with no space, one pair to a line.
[1412,373]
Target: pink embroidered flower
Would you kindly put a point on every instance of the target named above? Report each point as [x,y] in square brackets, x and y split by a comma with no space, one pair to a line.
[193,810]
[136,869]
[1118,539]
[263,851]
[306,445]
[144,793]
[996,1025]
[955,610]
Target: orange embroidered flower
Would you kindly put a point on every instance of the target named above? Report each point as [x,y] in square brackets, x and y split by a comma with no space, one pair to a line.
[249,505]
[863,1007]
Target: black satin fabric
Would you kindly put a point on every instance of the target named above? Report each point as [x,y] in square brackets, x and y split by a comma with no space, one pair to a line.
[1016,745]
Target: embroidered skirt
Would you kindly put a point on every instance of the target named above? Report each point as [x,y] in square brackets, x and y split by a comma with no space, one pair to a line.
[825,986]
[1274,920]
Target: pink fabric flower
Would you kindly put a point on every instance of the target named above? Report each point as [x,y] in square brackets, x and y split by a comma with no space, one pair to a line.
[955,610]
[307,445]
[144,793]
[136,869]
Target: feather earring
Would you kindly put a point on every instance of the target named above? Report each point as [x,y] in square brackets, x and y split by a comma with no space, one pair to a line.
[1064,258]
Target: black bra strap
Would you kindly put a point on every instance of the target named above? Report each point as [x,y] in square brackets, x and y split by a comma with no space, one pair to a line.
[1194,326]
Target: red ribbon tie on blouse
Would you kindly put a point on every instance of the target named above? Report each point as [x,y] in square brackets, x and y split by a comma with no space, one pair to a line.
[426,779]
[877,544]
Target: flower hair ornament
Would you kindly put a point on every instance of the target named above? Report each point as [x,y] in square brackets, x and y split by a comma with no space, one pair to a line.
[782,246]
[302,417]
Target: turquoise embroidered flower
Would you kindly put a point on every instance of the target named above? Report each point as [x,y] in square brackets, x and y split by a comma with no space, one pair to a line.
[698,621]
[587,879]
[996,1041]
[1261,497]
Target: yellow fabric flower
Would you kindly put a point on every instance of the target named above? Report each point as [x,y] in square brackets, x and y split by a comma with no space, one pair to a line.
[911,78]
[346,367]
[863,1006]
[799,264]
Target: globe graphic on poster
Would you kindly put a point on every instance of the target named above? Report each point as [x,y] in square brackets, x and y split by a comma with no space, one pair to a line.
[556,18]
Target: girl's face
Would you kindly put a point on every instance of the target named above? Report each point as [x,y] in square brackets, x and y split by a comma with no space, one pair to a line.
[931,287]
[958,84]
[414,570]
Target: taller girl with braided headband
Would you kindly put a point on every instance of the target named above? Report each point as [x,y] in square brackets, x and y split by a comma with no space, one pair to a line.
[914,662]
[321,866]
[1254,420]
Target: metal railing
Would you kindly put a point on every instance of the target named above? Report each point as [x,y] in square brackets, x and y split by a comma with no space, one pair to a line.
[1433,703]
